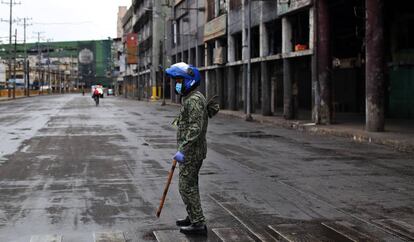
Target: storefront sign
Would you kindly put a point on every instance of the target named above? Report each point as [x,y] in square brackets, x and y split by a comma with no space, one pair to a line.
[132,48]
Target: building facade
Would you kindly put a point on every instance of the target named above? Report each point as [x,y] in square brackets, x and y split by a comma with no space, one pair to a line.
[121,13]
[315,60]
[62,66]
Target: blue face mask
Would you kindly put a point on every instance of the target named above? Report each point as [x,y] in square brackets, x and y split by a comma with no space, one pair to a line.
[178,87]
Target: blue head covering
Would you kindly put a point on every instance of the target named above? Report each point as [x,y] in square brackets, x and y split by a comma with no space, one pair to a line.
[189,74]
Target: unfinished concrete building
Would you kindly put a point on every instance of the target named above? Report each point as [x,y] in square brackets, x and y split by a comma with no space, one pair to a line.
[318,60]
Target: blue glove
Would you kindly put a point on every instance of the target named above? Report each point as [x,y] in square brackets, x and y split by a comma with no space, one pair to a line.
[179,157]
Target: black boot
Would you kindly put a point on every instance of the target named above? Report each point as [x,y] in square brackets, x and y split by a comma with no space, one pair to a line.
[197,228]
[183,222]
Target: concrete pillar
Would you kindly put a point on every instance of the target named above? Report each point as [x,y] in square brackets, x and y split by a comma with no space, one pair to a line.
[264,51]
[231,85]
[287,90]
[206,61]
[138,89]
[374,65]
[245,54]
[213,83]
[287,77]
[256,82]
[156,50]
[219,85]
[231,88]
[324,62]
[316,99]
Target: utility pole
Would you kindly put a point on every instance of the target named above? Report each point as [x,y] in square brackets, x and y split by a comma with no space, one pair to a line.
[11,3]
[48,66]
[164,52]
[26,69]
[39,58]
[14,64]
[39,62]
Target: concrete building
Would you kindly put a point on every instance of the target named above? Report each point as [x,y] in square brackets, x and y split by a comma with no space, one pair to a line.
[121,13]
[186,29]
[149,24]
[317,60]
[118,64]
[129,70]
[118,56]
[145,20]
[64,66]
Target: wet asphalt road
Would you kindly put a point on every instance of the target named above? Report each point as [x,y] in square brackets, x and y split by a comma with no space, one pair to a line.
[72,169]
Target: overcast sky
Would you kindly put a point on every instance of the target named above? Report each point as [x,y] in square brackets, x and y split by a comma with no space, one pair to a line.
[63,20]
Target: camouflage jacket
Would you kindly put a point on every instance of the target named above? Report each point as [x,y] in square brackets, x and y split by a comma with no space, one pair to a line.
[192,127]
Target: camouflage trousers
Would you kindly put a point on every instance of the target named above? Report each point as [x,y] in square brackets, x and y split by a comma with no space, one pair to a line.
[188,187]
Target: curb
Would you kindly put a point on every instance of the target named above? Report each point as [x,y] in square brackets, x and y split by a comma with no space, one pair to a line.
[357,136]
[10,99]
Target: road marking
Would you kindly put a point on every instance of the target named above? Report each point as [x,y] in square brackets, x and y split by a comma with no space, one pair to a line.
[232,235]
[349,231]
[113,236]
[261,235]
[170,236]
[46,238]
[397,226]
[311,231]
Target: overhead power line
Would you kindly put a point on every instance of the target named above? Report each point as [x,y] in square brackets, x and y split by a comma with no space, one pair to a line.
[63,23]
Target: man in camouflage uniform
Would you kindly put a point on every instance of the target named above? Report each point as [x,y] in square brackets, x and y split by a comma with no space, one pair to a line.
[192,145]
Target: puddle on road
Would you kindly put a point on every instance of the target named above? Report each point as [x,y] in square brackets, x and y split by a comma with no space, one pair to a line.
[207,173]
[136,114]
[255,135]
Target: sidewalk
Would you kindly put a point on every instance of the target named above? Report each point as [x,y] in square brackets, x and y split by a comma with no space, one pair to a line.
[399,134]
[5,98]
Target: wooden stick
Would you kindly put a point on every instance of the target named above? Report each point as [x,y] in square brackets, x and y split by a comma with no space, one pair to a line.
[164,195]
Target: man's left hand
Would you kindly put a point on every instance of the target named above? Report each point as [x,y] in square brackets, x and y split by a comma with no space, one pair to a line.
[179,157]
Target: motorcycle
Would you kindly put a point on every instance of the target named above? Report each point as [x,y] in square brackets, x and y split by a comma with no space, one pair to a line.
[96,98]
